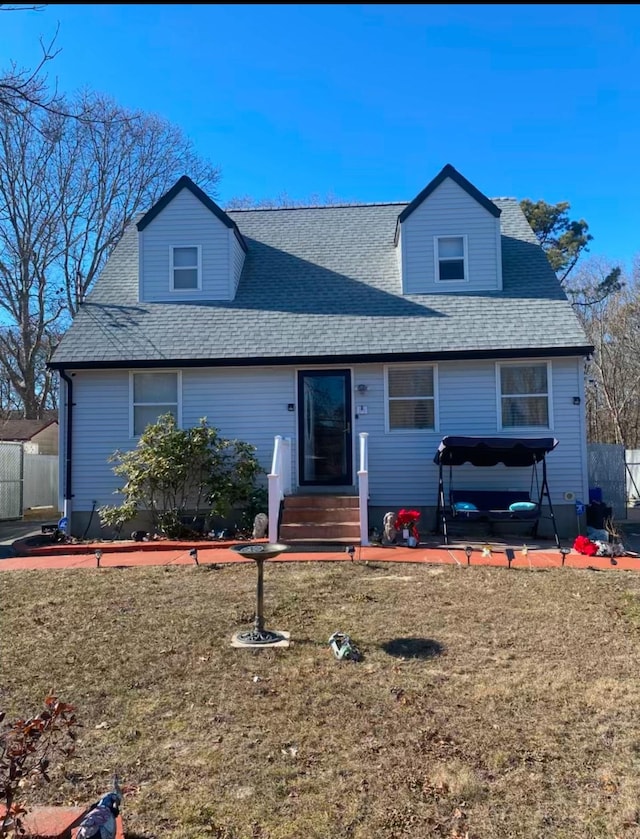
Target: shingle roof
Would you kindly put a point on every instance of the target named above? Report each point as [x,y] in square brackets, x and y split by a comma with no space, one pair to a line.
[22,429]
[324,283]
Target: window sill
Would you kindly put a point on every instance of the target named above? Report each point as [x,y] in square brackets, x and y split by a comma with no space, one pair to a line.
[519,430]
[395,431]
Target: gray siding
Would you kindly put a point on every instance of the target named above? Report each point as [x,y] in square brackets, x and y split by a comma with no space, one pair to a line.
[251,404]
[100,425]
[450,211]
[401,467]
[248,404]
[183,223]
[469,401]
[237,258]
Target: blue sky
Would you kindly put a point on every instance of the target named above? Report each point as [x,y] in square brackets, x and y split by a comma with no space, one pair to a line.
[367,103]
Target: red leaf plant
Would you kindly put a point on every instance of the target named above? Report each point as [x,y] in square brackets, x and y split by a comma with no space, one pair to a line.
[27,747]
[407,520]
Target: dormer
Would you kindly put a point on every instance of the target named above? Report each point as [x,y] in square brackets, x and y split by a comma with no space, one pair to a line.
[189,249]
[448,239]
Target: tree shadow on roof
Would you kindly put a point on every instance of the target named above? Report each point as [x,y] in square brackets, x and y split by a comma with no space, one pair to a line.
[275,280]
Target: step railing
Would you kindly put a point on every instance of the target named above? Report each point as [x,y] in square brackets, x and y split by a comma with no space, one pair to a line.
[363,488]
[279,481]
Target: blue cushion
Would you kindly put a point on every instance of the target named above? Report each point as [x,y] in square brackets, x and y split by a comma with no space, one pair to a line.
[464,505]
[522,505]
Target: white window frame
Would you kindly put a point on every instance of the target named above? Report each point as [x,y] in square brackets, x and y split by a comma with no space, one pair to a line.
[132,405]
[437,260]
[525,362]
[387,399]
[173,269]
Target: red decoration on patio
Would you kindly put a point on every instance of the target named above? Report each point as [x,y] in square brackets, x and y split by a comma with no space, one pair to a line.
[407,520]
[584,545]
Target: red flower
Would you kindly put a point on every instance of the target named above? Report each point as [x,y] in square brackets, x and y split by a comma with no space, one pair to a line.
[407,520]
[584,545]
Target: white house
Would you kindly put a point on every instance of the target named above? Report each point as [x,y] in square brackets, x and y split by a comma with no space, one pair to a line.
[357,336]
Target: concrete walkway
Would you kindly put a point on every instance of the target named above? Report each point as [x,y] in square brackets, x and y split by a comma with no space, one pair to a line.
[139,554]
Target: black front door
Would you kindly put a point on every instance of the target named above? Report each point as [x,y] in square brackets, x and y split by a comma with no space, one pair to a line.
[324,428]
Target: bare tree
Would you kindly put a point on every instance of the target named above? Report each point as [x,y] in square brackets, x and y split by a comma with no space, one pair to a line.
[23,88]
[68,189]
[613,374]
[30,209]
[112,167]
[283,201]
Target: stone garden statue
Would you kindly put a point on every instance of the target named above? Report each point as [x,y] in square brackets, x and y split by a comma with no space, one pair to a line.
[390,533]
[260,524]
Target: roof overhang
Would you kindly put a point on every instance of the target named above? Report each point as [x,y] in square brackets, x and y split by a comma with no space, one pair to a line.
[307,360]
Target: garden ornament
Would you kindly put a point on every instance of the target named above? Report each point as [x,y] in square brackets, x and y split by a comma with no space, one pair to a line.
[100,821]
[344,648]
[260,524]
[390,532]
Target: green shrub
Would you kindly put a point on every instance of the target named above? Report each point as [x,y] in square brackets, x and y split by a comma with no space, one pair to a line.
[175,472]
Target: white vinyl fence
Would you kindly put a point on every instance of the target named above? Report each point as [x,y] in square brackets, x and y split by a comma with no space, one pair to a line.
[607,471]
[10,480]
[40,482]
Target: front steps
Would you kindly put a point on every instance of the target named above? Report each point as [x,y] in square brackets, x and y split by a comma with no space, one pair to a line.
[326,519]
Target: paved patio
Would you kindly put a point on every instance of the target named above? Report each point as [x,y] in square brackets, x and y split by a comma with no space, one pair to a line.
[138,554]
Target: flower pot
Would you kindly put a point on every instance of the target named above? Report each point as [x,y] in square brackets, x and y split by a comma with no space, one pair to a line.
[412,542]
[405,533]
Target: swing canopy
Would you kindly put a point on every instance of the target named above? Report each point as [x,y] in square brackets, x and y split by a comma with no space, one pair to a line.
[489,451]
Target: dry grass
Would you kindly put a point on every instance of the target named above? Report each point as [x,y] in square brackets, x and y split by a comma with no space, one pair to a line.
[513,712]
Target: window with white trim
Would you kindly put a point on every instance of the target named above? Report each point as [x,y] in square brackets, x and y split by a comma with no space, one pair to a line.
[451,258]
[411,398]
[153,394]
[185,268]
[525,395]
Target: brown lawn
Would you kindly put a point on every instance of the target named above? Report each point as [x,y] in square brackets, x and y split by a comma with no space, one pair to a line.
[490,703]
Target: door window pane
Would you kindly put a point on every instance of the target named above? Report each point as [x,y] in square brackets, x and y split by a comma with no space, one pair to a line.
[326,428]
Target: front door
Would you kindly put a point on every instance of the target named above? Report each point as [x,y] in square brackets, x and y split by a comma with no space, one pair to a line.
[324,428]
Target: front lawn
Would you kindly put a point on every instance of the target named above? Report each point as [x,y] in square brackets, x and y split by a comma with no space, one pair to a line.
[490,703]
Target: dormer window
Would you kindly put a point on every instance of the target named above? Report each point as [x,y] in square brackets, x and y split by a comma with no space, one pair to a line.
[186,270]
[451,259]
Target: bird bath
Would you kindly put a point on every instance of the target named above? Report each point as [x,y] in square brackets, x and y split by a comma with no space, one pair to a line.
[259,636]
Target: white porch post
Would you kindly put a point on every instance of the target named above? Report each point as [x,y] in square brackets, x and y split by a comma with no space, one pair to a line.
[363,488]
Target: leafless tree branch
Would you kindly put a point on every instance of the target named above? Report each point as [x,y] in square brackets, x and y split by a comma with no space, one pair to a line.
[68,190]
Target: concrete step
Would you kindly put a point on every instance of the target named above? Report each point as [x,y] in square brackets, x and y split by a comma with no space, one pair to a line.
[325,532]
[319,515]
[323,501]
[329,546]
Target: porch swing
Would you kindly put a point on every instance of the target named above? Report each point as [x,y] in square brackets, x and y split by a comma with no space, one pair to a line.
[494,506]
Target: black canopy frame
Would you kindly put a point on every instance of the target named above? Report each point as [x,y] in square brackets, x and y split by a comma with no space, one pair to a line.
[490,451]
